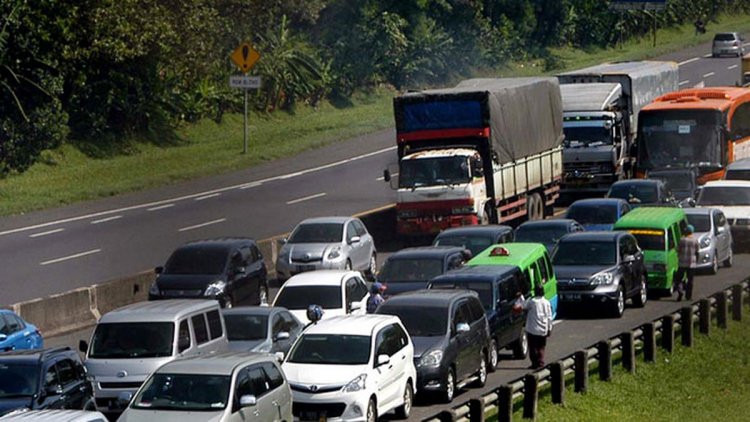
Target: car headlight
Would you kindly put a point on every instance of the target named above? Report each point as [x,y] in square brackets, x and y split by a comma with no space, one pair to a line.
[216,288]
[432,358]
[154,290]
[335,253]
[705,241]
[602,278]
[355,385]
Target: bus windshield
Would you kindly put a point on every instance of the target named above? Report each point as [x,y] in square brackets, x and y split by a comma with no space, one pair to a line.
[680,138]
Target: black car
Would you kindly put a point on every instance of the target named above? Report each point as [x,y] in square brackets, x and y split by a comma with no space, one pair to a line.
[600,269]
[681,182]
[43,379]
[643,192]
[496,286]
[412,268]
[474,238]
[451,338]
[546,232]
[230,270]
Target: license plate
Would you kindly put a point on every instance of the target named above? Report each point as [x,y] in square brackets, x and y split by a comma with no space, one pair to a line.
[572,296]
[302,268]
[313,416]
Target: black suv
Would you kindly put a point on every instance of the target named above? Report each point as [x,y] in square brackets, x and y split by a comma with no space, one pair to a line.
[43,379]
[230,270]
[450,334]
[496,286]
[412,268]
[600,268]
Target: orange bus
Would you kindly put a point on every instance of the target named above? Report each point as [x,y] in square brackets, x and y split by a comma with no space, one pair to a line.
[700,128]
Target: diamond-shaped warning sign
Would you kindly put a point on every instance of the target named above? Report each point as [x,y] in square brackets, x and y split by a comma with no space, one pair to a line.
[245,56]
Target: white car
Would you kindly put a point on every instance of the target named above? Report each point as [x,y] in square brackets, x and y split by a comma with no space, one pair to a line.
[337,292]
[352,368]
[732,197]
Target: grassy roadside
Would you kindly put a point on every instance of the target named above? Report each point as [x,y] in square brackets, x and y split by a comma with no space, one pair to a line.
[710,381]
[67,175]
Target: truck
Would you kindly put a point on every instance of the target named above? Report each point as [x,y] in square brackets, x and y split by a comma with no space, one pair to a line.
[483,152]
[600,119]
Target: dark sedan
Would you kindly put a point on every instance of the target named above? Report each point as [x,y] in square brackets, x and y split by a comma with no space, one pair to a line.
[597,213]
[600,269]
[546,232]
[474,238]
[642,192]
[412,268]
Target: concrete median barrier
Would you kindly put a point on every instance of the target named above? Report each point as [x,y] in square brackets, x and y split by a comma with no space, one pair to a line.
[118,293]
[59,313]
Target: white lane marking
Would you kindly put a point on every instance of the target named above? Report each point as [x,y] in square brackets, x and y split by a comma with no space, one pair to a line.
[708,55]
[734,66]
[104,220]
[46,233]
[160,207]
[197,226]
[684,83]
[381,178]
[194,195]
[213,195]
[306,198]
[708,74]
[65,258]
[251,185]
[694,59]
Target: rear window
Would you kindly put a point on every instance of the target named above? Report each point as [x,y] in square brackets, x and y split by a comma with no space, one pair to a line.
[724,37]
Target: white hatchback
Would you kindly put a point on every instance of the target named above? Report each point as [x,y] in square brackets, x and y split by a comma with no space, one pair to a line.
[732,197]
[337,292]
[352,368]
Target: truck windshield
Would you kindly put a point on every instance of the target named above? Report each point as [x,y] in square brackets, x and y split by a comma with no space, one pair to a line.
[576,136]
[433,171]
[680,138]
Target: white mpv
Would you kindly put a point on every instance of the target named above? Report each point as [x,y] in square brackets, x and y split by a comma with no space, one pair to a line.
[352,368]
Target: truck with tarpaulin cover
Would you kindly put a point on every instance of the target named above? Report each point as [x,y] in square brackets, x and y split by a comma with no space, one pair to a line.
[485,151]
[600,119]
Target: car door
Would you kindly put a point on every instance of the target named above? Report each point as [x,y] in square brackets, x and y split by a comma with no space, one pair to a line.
[355,248]
[257,270]
[12,339]
[279,394]
[624,268]
[279,325]
[52,392]
[721,231]
[356,292]
[507,322]
[73,388]
[465,356]
[368,243]
[251,381]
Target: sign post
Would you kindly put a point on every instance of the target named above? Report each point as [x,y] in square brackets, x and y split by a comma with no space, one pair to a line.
[646,5]
[245,57]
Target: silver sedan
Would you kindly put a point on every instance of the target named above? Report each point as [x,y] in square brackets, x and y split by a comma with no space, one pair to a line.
[714,238]
[327,243]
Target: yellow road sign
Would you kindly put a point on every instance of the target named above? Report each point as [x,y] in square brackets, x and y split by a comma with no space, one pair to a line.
[245,56]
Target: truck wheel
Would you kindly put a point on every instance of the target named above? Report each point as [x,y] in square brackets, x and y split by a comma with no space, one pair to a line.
[534,207]
[485,216]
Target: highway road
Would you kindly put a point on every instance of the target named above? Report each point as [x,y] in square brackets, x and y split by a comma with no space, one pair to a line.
[56,250]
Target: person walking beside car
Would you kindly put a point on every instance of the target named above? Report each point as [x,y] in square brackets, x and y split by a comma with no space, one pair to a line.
[538,323]
[688,258]
[376,297]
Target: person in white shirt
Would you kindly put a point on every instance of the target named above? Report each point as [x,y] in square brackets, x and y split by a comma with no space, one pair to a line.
[538,324]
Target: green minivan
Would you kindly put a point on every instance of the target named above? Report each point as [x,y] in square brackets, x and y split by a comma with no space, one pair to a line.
[533,261]
[658,230]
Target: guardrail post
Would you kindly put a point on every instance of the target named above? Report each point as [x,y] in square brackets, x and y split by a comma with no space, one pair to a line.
[581,371]
[649,342]
[721,309]
[704,316]
[505,403]
[605,360]
[447,416]
[557,379]
[667,333]
[530,396]
[737,291]
[476,410]
[628,351]
[686,320]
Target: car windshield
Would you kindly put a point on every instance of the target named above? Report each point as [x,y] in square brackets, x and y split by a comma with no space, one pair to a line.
[700,222]
[540,233]
[634,192]
[132,340]
[318,233]
[724,195]
[300,297]
[243,327]
[420,321]
[484,290]
[475,244]
[737,175]
[587,136]
[184,392]
[593,214]
[412,269]
[652,240]
[433,171]
[331,349]
[585,253]
[197,261]
[18,379]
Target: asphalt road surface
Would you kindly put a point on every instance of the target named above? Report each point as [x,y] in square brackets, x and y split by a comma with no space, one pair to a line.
[56,250]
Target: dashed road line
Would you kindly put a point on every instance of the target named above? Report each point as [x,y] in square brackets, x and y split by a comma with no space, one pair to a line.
[707,55]
[202,198]
[74,256]
[46,233]
[160,207]
[709,74]
[104,220]
[306,198]
[251,185]
[734,66]
[197,226]
[684,62]
[684,83]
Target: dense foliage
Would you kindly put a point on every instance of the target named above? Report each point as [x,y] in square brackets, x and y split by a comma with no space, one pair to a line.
[101,71]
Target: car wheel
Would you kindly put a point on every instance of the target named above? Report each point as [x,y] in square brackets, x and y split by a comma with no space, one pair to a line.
[642,297]
[715,263]
[227,302]
[521,346]
[372,411]
[492,361]
[403,411]
[450,386]
[482,371]
[619,306]
[730,259]
[373,267]
[263,294]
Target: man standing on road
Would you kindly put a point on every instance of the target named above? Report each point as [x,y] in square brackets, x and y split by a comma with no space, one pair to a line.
[538,324]
[688,256]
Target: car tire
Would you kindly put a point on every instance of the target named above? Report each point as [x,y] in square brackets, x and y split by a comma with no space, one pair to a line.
[492,360]
[403,411]
[481,374]
[521,346]
[450,386]
[263,294]
[641,298]
[372,411]
[618,308]
[227,302]
[730,259]
[372,267]
[714,263]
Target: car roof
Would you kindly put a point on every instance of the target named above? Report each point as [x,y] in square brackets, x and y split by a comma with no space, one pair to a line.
[428,297]
[557,222]
[221,242]
[476,273]
[159,310]
[34,354]
[425,252]
[319,278]
[650,217]
[592,236]
[637,182]
[743,164]
[698,211]
[351,324]
[252,310]
[521,254]
[488,229]
[597,202]
[223,363]
[332,219]
[728,183]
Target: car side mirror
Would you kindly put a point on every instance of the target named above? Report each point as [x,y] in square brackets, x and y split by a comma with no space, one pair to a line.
[283,335]
[383,360]
[354,306]
[462,327]
[721,230]
[158,270]
[279,356]
[628,259]
[283,241]
[386,175]
[53,390]
[123,399]
[354,239]
[83,346]
[248,400]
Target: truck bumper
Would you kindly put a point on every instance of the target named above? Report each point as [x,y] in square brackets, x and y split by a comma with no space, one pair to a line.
[433,224]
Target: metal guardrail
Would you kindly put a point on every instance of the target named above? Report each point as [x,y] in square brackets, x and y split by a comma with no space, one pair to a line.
[555,376]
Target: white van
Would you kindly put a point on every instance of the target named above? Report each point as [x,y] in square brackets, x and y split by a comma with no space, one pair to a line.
[738,170]
[131,342]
